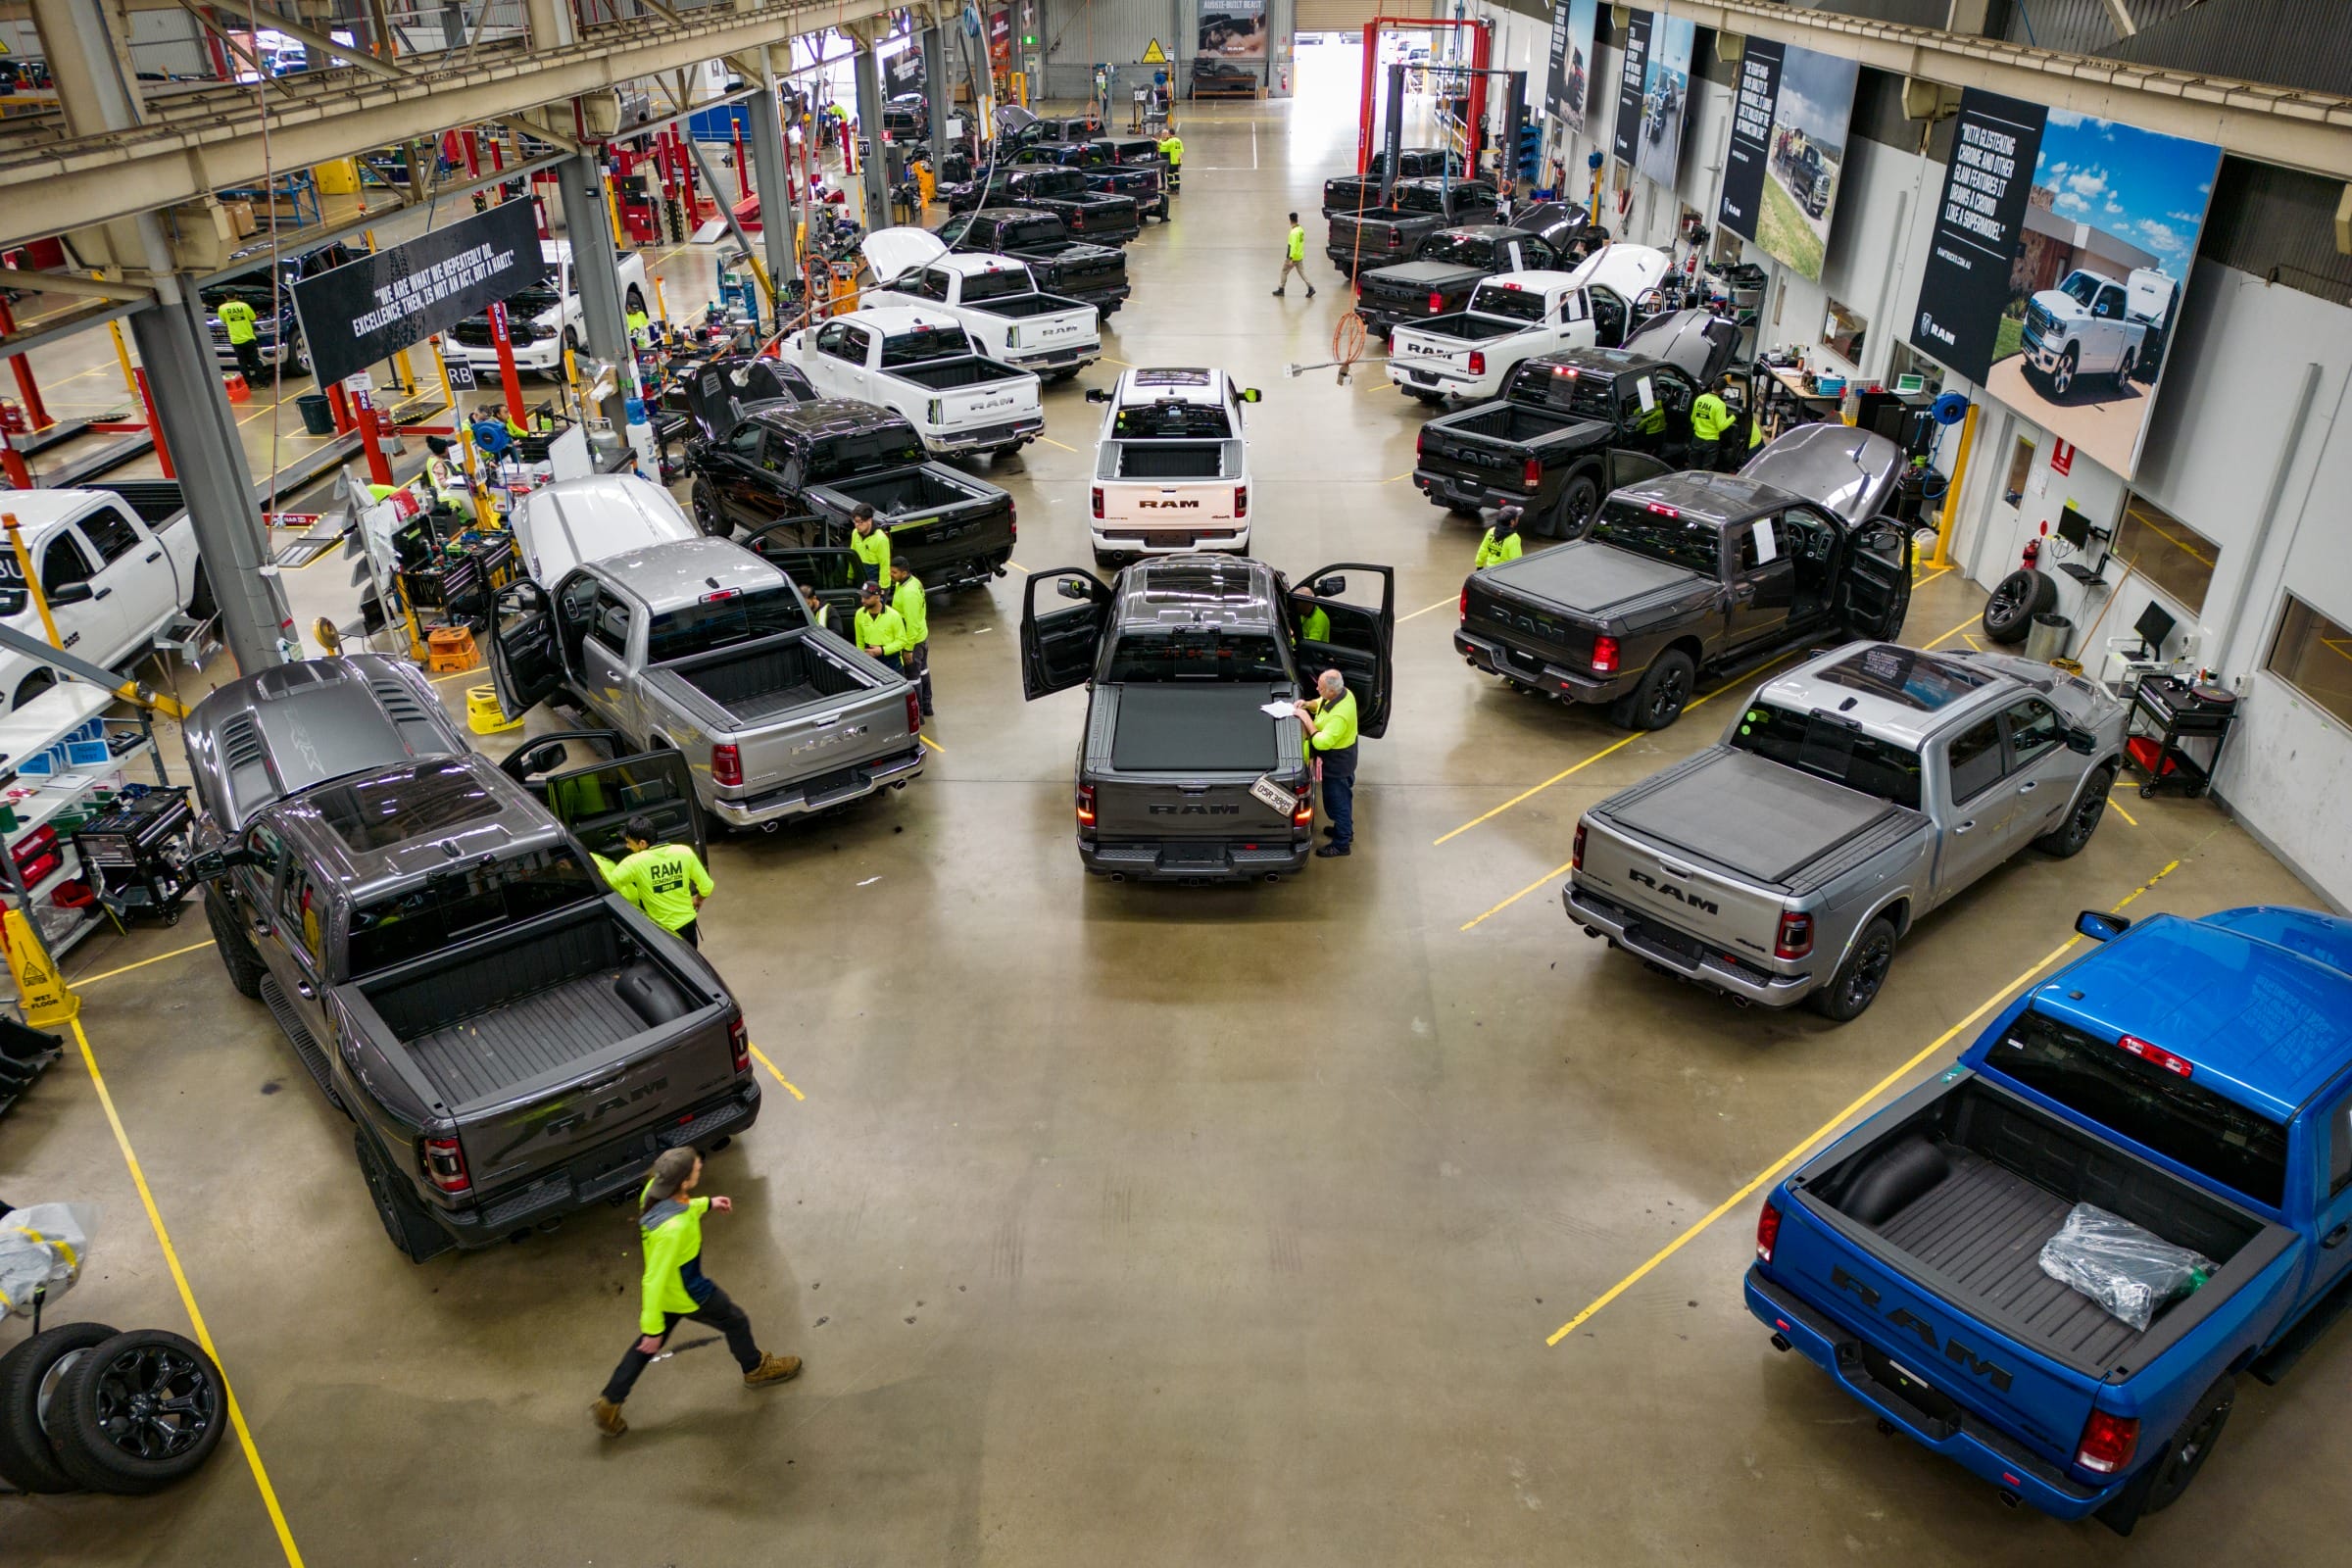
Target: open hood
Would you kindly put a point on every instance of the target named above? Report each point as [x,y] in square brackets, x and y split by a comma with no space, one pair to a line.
[1628,272]
[892,251]
[719,392]
[1698,344]
[1851,472]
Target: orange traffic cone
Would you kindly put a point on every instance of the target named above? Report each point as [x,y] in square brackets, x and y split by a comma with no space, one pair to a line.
[238,391]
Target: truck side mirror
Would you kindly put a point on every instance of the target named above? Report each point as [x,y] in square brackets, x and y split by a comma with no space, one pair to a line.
[1096,394]
[72,593]
[2100,926]
[2081,742]
[211,865]
[1072,588]
[1251,394]
[1331,587]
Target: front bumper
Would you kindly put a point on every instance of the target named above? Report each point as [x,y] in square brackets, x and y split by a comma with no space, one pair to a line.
[1713,970]
[1988,1454]
[541,357]
[1195,860]
[1018,434]
[820,794]
[1554,680]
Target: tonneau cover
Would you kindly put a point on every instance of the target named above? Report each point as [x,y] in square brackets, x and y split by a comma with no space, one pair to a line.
[1752,817]
[1208,728]
[1589,576]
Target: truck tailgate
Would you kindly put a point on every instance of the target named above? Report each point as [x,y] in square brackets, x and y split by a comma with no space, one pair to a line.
[827,738]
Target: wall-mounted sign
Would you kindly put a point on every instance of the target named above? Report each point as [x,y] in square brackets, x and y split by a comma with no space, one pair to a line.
[1568,90]
[1234,30]
[1653,92]
[366,311]
[1790,122]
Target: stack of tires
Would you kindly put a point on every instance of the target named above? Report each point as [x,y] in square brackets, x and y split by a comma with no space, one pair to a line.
[83,1407]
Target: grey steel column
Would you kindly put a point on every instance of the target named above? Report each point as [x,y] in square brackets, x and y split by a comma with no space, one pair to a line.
[588,225]
[774,183]
[935,92]
[1514,119]
[175,347]
[1392,134]
[869,130]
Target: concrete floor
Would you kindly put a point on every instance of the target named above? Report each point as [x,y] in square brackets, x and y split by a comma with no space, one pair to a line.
[1134,1225]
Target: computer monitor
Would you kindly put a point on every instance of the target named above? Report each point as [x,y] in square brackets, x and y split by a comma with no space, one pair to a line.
[1908,385]
[2154,625]
[2074,528]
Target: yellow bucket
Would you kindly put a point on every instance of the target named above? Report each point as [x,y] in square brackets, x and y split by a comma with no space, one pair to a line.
[483,715]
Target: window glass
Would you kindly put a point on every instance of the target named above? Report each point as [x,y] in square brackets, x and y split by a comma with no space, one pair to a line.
[113,537]
[738,618]
[2339,1147]
[453,908]
[1974,760]
[1691,542]
[63,563]
[2166,552]
[611,627]
[2034,728]
[1822,745]
[2314,654]
[1513,304]
[1844,332]
[744,443]
[301,910]
[1761,542]
[2021,468]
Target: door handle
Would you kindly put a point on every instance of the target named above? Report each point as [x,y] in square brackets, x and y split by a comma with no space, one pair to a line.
[1744,591]
[2335,1236]
[2029,786]
[1965,826]
[305,990]
[157,556]
[100,594]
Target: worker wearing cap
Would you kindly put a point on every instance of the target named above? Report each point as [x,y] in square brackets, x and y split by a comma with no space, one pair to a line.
[1330,732]
[880,630]
[818,611]
[1502,542]
[236,318]
[906,598]
[668,881]
[1711,427]
[674,1288]
[870,544]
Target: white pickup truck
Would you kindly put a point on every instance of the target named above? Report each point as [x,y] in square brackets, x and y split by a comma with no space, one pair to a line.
[1171,465]
[118,568]
[1516,316]
[2094,325]
[995,297]
[921,362]
[543,321]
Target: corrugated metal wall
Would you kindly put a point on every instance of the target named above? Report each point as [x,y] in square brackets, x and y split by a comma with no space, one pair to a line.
[2294,43]
[2278,224]
[2086,26]
[1083,31]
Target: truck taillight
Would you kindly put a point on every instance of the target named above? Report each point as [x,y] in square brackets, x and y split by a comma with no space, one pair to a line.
[1794,938]
[1303,813]
[726,765]
[1241,502]
[1576,849]
[739,1041]
[1097,500]
[1531,473]
[1396,240]
[1013,520]
[1420,442]
[1478,361]
[914,710]
[1086,805]
[445,1165]
[2108,1442]
[1437,302]
[1604,656]
[1768,1233]
[1462,607]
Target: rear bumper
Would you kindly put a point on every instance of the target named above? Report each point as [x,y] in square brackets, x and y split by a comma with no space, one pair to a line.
[620,1166]
[1114,538]
[1990,1455]
[963,571]
[1020,432]
[1056,361]
[820,794]
[1200,860]
[1433,378]
[1554,680]
[1451,490]
[1632,933]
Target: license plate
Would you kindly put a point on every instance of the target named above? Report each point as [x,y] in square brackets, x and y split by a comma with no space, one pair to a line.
[1272,794]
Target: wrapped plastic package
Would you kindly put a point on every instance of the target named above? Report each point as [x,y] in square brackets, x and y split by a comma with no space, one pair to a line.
[44,1245]
[2131,1272]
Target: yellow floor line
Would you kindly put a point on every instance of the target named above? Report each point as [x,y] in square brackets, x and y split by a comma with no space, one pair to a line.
[109,974]
[1426,609]
[187,1298]
[928,740]
[2120,811]
[1954,632]
[1922,582]
[761,1056]
[1834,1123]
[1050,441]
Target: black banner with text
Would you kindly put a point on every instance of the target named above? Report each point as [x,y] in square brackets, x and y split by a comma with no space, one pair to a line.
[1751,137]
[1631,69]
[1966,282]
[368,310]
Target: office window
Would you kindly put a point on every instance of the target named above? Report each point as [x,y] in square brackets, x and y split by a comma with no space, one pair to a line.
[2021,468]
[2171,555]
[2314,654]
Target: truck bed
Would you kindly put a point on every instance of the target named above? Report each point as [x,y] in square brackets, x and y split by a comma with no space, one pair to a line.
[1215,727]
[1171,459]
[1023,307]
[1754,817]
[1589,577]
[900,491]
[1466,329]
[1509,423]
[940,375]
[766,679]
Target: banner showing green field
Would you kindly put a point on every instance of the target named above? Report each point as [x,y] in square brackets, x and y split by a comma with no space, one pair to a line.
[1790,122]
[2059,291]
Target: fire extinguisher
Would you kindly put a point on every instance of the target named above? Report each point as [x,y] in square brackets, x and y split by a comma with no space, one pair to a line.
[1286,79]
[2033,553]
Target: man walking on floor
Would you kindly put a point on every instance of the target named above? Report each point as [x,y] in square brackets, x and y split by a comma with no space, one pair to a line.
[1294,259]
[243,340]
[914,610]
[666,881]
[1330,720]
[669,1222]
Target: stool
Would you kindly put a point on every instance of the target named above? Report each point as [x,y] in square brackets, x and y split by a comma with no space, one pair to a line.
[238,391]
[450,648]
[483,715]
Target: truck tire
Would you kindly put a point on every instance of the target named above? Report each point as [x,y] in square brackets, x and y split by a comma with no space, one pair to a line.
[1664,692]
[411,1229]
[2124,369]
[1572,515]
[2066,840]
[28,1374]
[2062,379]
[2016,600]
[2160,1485]
[137,1412]
[1855,985]
[244,965]
[708,515]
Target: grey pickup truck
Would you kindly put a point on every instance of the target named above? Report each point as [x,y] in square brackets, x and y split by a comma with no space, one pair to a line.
[1848,798]
[510,1039]
[700,647]
[1182,775]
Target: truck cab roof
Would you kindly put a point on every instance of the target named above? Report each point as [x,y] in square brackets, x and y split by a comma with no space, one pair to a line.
[1199,590]
[1146,385]
[1850,472]
[35,510]
[821,417]
[898,320]
[666,577]
[1893,693]
[375,832]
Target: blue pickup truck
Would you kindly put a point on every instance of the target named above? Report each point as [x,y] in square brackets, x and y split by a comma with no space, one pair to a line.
[2192,1077]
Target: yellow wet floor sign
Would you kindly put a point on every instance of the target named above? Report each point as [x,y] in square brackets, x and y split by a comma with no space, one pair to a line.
[1155,55]
[39,987]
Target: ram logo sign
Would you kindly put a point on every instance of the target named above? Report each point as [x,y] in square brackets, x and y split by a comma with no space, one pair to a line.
[1169,505]
[1905,1320]
[1667,890]
[1196,809]
[830,737]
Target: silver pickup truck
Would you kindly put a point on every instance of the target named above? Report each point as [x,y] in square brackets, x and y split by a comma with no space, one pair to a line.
[702,647]
[1850,798]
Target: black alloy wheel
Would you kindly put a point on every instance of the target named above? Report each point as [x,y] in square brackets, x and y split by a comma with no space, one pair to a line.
[140,1411]
[1580,497]
[1665,702]
[1855,985]
[2069,839]
[2016,600]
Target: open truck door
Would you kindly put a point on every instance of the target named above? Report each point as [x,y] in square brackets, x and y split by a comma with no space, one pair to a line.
[592,784]
[832,570]
[527,660]
[1874,583]
[1363,636]
[1059,645]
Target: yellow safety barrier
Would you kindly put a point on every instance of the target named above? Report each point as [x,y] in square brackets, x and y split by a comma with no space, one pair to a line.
[483,715]
[40,989]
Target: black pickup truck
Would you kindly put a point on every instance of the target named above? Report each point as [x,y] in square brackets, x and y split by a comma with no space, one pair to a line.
[1099,161]
[1074,268]
[1701,574]
[789,473]
[1181,775]
[1571,428]
[1351,193]
[1416,210]
[1567,227]
[1143,152]
[511,1038]
[1451,263]
[1088,213]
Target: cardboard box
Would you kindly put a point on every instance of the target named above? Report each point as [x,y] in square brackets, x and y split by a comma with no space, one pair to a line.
[240,219]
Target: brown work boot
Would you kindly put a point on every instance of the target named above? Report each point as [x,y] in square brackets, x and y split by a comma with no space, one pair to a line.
[772,1368]
[608,1419]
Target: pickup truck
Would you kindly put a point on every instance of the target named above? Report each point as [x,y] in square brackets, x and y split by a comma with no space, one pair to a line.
[1171,465]
[543,321]
[1088,213]
[1181,777]
[705,648]
[1416,210]
[2091,325]
[117,564]
[1143,152]
[921,364]
[511,1040]
[994,297]
[1848,799]
[1078,270]
[1350,193]
[1567,226]
[1570,427]
[277,328]
[1693,574]
[1100,163]
[790,475]
[1442,274]
[1515,316]
[2189,1077]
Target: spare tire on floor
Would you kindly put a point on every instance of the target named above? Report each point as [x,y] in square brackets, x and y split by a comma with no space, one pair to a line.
[137,1412]
[28,1375]
[2016,600]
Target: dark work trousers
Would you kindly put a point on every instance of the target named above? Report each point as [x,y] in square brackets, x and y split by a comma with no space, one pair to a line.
[1339,794]
[248,360]
[894,663]
[1730,448]
[918,670]
[691,932]
[719,1313]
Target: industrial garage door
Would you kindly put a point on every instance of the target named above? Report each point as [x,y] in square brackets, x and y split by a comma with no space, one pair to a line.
[1349,16]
